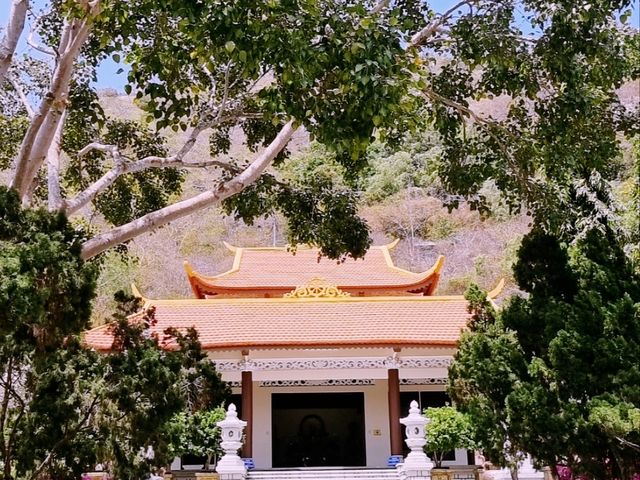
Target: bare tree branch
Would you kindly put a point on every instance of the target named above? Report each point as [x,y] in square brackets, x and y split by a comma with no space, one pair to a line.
[97,146]
[431,95]
[9,41]
[420,37]
[120,234]
[482,121]
[103,182]
[31,41]
[122,166]
[23,98]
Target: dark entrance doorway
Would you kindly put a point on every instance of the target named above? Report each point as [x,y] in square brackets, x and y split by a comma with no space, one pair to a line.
[318,429]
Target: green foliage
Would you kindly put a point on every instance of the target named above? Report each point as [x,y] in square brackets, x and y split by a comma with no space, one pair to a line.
[555,374]
[334,67]
[197,434]
[317,213]
[131,195]
[117,269]
[63,406]
[45,297]
[544,142]
[313,162]
[11,129]
[147,387]
[411,164]
[46,290]
[447,430]
[350,77]
[628,195]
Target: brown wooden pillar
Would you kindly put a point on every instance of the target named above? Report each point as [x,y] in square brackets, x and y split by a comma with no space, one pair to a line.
[395,430]
[247,413]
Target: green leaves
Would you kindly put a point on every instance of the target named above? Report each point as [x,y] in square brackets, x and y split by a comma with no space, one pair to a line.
[317,212]
[564,118]
[197,433]
[41,250]
[71,406]
[557,372]
[447,430]
[12,129]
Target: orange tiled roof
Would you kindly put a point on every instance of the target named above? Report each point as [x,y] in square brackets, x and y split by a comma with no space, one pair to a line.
[274,271]
[230,324]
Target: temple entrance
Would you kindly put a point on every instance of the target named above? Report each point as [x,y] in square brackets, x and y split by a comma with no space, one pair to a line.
[318,429]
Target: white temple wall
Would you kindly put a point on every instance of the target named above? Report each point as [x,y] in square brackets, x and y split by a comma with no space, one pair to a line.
[290,367]
[376,420]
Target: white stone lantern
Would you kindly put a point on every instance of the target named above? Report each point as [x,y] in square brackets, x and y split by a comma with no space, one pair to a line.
[417,464]
[231,466]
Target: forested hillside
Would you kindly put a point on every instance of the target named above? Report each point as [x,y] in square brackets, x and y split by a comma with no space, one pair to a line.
[401,197]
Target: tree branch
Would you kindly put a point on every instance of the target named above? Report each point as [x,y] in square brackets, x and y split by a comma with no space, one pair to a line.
[420,37]
[23,98]
[121,166]
[121,234]
[463,110]
[9,41]
[103,182]
[431,95]
[32,42]
[489,126]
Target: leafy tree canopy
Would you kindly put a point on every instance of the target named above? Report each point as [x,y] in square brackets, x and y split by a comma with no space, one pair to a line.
[197,433]
[556,374]
[349,73]
[447,430]
[63,406]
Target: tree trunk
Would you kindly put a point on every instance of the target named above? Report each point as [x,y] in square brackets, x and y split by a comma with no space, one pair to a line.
[42,130]
[14,28]
[54,199]
[514,472]
[4,442]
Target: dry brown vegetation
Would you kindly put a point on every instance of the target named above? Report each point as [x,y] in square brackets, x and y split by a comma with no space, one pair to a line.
[476,250]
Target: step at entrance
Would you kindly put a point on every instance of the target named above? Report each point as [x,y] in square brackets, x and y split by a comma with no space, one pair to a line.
[324,474]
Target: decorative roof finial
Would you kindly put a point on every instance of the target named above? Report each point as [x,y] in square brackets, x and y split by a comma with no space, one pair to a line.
[317,287]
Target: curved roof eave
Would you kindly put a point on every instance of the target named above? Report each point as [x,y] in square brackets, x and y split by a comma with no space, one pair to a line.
[200,282]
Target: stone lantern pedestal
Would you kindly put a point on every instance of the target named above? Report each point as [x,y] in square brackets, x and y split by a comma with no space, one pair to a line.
[417,465]
[527,472]
[231,466]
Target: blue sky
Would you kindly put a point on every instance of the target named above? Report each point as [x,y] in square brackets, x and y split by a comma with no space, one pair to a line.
[108,76]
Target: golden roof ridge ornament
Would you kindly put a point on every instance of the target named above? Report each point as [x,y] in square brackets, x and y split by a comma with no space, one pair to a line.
[317,287]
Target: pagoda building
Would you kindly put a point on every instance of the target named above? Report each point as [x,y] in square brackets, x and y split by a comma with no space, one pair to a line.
[323,357]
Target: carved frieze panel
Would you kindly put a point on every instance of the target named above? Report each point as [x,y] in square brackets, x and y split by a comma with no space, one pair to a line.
[298,364]
[332,363]
[340,382]
[423,381]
